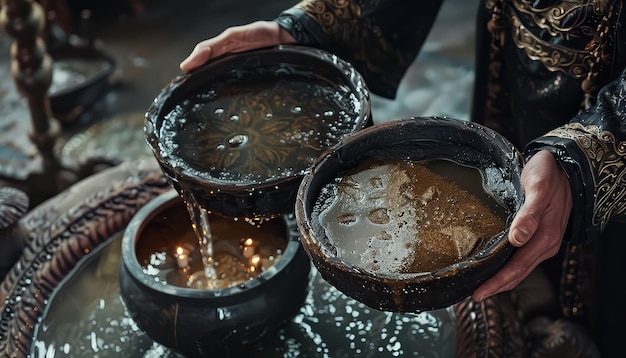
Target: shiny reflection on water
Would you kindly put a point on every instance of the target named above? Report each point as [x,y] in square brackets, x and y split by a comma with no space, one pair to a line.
[86,318]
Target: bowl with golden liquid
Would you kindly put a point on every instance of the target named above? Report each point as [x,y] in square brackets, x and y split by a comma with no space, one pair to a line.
[261,280]
[413,214]
[237,134]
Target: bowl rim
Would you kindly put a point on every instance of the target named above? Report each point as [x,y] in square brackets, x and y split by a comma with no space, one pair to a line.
[163,102]
[134,269]
[491,246]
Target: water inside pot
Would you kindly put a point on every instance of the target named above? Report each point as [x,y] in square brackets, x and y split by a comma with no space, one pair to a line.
[167,249]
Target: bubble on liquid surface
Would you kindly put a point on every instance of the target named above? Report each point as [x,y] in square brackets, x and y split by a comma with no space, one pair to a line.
[379,216]
[237,140]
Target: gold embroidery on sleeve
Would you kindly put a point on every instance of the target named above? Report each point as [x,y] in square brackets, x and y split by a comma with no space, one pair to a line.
[607,160]
[343,21]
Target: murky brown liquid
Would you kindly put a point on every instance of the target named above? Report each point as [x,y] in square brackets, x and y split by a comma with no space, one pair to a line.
[240,251]
[398,216]
[257,131]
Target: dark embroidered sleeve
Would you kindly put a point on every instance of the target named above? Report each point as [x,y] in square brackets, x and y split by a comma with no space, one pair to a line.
[379,37]
[592,151]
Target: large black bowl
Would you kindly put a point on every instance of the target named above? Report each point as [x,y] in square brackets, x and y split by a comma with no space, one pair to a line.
[276,194]
[416,139]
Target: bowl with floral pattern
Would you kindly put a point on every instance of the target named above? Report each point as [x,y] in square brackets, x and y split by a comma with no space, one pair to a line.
[238,133]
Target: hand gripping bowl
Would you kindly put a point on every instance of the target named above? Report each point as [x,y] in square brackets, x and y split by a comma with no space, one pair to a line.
[416,140]
[239,132]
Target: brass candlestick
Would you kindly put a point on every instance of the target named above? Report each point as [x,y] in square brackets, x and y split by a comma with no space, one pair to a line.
[31,69]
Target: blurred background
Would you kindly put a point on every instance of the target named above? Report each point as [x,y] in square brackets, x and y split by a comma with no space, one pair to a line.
[142,42]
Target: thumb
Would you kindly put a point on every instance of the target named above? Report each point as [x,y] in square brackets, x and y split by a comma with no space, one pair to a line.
[526,220]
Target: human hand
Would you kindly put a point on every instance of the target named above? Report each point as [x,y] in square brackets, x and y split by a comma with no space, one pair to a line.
[537,229]
[237,39]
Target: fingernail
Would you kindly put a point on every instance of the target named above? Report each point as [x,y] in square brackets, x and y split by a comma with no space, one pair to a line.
[184,63]
[514,234]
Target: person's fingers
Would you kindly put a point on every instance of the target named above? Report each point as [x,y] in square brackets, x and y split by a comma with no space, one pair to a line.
[237,39]
[515,270]
[528,218]
[200,54]
[523,261]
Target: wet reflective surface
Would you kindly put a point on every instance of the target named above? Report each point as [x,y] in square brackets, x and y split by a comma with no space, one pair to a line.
[86,318]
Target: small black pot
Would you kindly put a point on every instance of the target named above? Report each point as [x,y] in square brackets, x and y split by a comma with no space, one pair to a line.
[219,322]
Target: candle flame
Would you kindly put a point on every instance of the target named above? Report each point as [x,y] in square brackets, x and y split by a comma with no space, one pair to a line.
[254,262]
